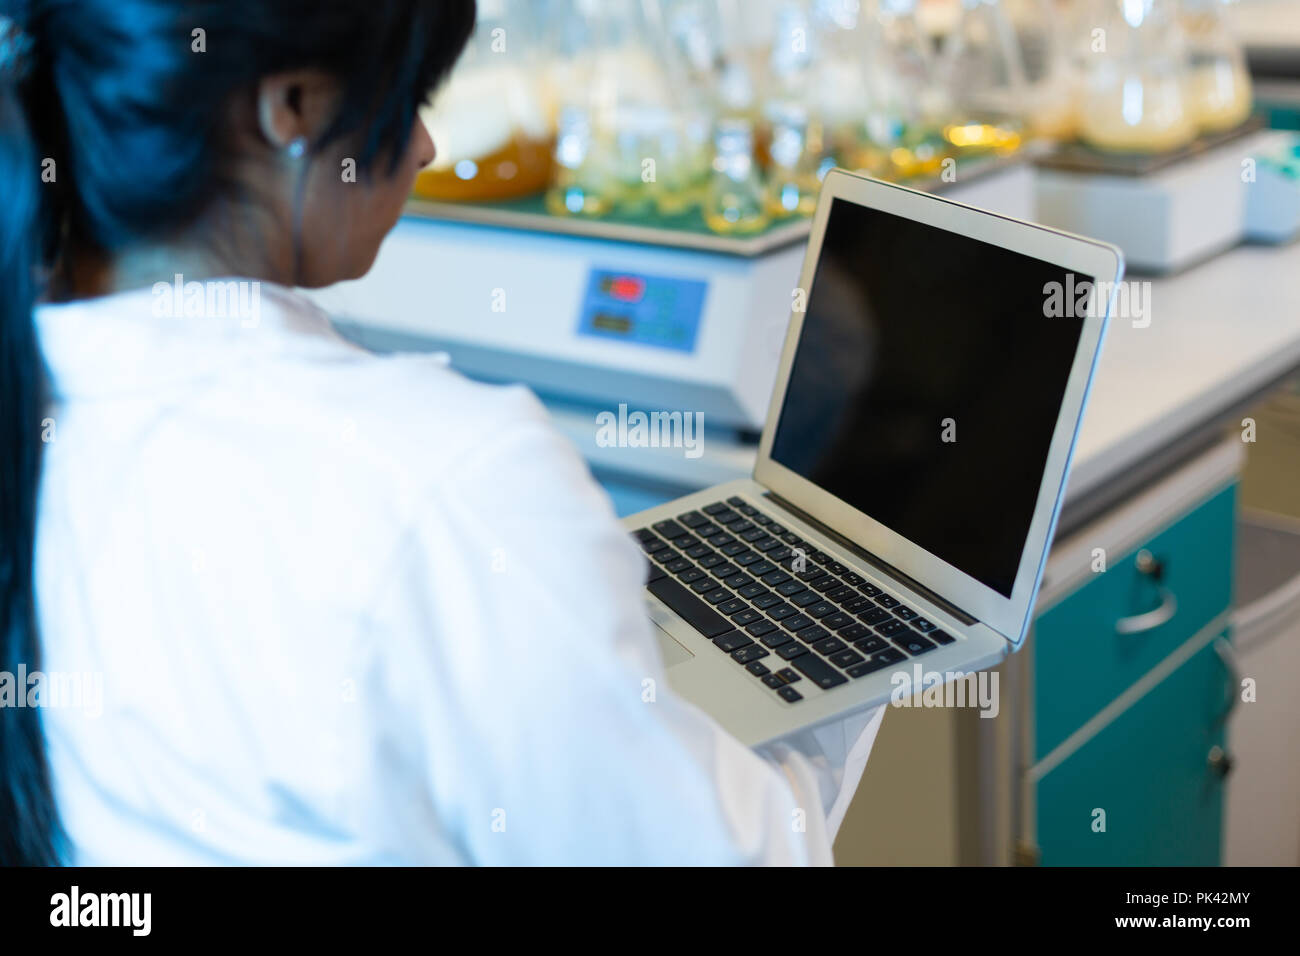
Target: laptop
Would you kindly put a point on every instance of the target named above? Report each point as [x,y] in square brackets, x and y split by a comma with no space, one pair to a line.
[910,473]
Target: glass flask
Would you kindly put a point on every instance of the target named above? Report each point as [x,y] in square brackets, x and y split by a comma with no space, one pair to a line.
[1134,90]
[490,124]
[690,35]
[736,201]
[1218,83]
[984,73]
[793,177]
[910,109]
[1051,83]
[858,125]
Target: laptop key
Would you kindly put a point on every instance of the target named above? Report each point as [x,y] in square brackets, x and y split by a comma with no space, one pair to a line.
[796,622]
[842,593]
[818,671]
[805,598]
[885,600]
[744,617]
[732,641]
[692,519]
[653,545]
[780,612]
[846,658]
[746,558]
[688,607]
[732,606]
[854,631]
[829,646]
[837,620]
[905,612]
[943,637]
[643,534]
[714,509]
[726,517]
[738,581]
[779,555]
[704,584]
[709,559]
[853,578]
[790,588]
[717,596]
[820,609]
[789,694]
[669,529]
[913,643]
[698,550]
[869,589]
[752,590]
[891,627]
[922,625]
[789,651]
[774,578]
[724,570]
[869,666]
[855,606]
[765,600]
[747,654]
[753,534]
[776,639]
[736,501]
[869,645]
[721,540]
[811,635]
[789,675]
[759,628]
[690,575]
[873,616]
[757,668]
[773,680]
[825,584]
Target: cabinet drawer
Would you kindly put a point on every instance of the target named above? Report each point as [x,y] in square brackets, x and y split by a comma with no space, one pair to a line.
[1152,774]
[1081,659]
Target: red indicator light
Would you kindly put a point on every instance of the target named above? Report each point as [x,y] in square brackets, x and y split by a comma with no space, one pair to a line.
[627,289]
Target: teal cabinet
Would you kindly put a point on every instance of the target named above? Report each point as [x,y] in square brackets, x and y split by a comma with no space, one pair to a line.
[1081,660]
[1154,774]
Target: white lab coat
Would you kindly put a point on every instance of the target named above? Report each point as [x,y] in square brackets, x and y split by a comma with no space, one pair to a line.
[350,609]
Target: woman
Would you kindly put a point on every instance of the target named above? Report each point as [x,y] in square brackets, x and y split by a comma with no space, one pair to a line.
[342,608]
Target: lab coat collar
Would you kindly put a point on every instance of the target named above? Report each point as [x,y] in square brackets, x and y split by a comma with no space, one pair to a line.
[139,341]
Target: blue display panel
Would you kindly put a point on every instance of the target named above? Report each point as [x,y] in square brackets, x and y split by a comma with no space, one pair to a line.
[643,310]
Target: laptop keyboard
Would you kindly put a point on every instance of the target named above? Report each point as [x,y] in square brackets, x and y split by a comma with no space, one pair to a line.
[733,574]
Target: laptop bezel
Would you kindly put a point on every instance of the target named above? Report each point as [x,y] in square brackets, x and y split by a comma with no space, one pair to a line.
[1096,261]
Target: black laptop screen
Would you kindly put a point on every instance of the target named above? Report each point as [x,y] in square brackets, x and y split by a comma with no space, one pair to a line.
[926,385]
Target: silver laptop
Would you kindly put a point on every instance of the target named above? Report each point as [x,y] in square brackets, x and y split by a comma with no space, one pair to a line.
[911,469]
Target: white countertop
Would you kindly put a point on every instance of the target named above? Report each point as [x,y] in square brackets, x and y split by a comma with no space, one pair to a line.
[1218,334]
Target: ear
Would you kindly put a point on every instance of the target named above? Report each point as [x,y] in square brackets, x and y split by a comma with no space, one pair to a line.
[296,104]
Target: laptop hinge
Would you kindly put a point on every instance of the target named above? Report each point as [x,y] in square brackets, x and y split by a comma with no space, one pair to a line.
[884,566]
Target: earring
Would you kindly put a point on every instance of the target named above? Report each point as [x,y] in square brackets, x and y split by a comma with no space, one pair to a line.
[298,148]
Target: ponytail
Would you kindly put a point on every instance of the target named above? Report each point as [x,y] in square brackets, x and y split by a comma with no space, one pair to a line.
[28,818]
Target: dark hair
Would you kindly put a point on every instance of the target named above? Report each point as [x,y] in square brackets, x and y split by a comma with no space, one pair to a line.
[129,110]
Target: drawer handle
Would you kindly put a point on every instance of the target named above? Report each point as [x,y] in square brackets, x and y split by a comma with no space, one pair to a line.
[1150,620]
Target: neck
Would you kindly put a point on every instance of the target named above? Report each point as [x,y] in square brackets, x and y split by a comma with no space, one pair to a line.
[245,253]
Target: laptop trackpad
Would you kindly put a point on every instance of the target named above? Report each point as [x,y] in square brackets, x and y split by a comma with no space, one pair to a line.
[673,652]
